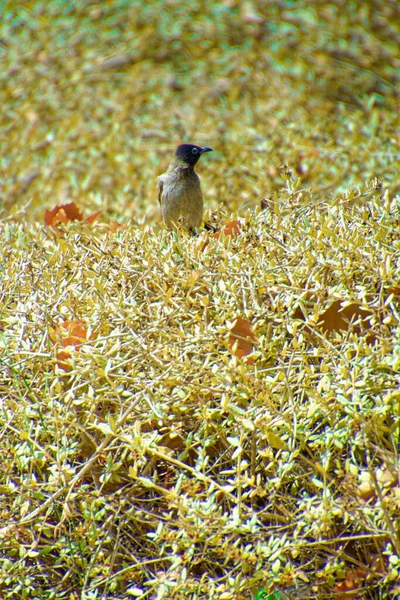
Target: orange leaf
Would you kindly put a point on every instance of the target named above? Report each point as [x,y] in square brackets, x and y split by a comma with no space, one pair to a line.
[243,336]
[55,216]
[114,226]
[91,218]
[61,358]
[231,228]
[62,214]
[70,333]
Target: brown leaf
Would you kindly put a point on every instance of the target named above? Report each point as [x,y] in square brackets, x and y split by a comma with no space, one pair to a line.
[91,218]
[114,227]
[242,337]
[231,228]
[395,290]
[350,586]
[337,318]
[55,216]
[62,214]
[62,357]
[69,334]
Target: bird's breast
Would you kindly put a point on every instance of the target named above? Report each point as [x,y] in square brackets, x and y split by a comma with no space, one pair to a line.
[181,199]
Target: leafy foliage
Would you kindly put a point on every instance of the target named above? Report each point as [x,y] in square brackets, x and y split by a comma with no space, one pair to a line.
[211,416]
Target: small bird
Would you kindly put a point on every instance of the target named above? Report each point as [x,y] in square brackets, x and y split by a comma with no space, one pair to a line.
[179,191]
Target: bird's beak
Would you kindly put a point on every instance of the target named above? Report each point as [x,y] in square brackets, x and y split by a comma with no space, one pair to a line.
[206,150]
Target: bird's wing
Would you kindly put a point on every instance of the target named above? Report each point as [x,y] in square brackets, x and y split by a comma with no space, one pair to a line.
[160,185]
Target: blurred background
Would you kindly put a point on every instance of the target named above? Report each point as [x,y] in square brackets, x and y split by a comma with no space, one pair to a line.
[96,95]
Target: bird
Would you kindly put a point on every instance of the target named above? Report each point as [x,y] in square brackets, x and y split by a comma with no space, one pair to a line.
[179,191]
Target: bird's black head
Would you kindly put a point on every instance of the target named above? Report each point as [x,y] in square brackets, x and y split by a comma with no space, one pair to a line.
[189,154]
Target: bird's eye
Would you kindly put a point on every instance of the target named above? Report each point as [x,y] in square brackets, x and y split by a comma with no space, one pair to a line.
[195,151]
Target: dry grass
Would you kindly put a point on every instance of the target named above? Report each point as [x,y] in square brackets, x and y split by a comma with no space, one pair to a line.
[141,456]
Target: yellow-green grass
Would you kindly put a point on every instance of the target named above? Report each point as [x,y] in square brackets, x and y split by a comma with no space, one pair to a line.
[150,461]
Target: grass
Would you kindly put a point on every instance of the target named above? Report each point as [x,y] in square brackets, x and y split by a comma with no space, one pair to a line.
[149,450]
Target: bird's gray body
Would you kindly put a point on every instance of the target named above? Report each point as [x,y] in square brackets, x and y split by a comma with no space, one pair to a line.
[180,197]
[179,191]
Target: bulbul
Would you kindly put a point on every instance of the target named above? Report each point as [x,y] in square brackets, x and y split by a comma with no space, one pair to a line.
[179,191]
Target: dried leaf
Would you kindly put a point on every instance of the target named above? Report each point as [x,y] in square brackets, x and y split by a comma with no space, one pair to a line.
[338,317]
[92,218]
[350,586]
[114,227]
[231,228]
[242,338]
[62,214]
[69,334]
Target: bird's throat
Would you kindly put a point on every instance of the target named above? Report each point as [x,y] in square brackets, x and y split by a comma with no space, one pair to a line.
[180,166]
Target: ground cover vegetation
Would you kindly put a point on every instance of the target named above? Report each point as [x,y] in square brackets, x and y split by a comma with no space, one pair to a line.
[210,416]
